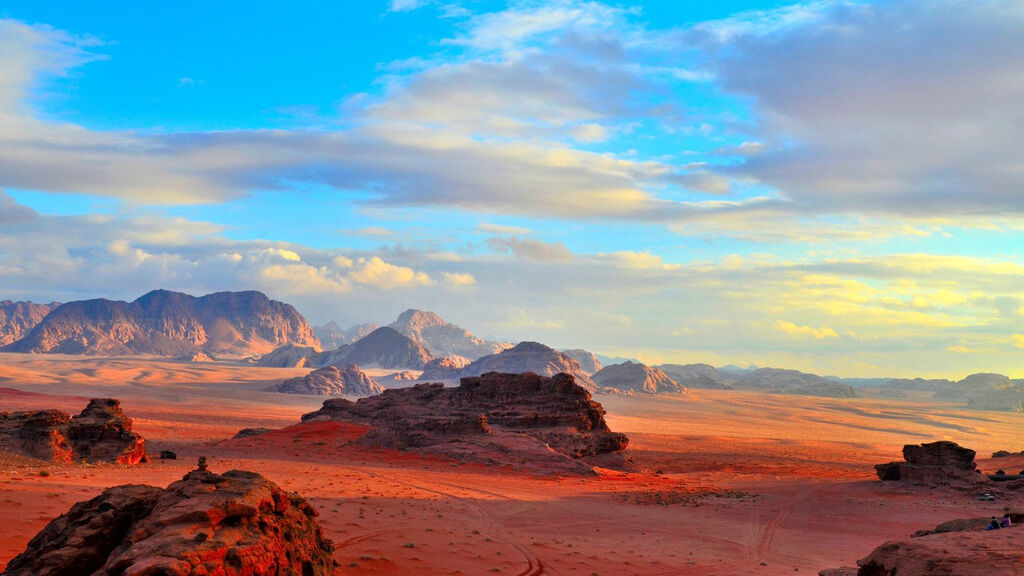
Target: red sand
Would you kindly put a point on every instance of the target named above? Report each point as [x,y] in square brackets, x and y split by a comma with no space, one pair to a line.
[751,483]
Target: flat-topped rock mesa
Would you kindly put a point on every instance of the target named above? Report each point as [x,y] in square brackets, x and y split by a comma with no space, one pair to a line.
[941,463]
[589,362]
[445,368]
[442,338]
[961,547]
[631,377]
[383,348]
[503,418]
[172,324]
[333,336]
[331,381]
[528,357]
[697,376]
[18,318]
[101,433]
[233,524]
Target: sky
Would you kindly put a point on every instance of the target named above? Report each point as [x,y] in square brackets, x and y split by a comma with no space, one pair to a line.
[831,186]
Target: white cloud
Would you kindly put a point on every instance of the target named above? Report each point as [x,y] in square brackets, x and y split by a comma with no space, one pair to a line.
[531,249]
[895,107]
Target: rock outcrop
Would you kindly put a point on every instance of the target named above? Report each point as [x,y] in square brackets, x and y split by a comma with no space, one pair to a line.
[509,418]
[443,338]
[529,357]
[941,463]
[444,368]
[234,524]
[960,547]
[631,377]
[101,433]
[37,434]
[588,360]
[290,356]
[18,318]
[331,381]
[171,324]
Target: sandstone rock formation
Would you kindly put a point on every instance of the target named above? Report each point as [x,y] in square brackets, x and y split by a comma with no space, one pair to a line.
[960,547]
[18,318]
[508,418]
[330,381]
[233,524]
[442,338]
[101,433]
[172,324]
[630,377]
[37,434]
[333,336]
[443,368]
[588,360]
[529,357]
[941,463]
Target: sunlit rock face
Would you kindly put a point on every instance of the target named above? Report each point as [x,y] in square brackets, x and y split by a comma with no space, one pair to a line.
[232,524]
[18,318]
[234,324]
[101,433]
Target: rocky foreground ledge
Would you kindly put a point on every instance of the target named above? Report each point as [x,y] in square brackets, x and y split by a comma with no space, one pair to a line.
[519,419]
[232,524]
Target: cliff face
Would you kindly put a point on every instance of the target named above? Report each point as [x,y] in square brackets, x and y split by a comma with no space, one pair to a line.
[442,338]
[18,318]
[170,324]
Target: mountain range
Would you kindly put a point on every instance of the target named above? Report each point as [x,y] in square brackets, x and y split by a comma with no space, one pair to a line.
[18,318]
[164,323]
[244,324]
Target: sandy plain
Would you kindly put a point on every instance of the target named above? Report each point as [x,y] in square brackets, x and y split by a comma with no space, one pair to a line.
[735,482]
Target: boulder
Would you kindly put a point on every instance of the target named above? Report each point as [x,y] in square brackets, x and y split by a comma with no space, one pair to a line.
[331,381]
[101,433]
[963,553]
[233,524]
[936,464]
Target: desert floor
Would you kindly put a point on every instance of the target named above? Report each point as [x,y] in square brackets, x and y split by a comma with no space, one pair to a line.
[737,482]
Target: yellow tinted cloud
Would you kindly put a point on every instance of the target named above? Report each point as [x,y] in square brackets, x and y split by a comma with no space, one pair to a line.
[805,331]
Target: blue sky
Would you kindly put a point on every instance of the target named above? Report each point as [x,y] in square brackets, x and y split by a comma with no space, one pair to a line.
[830,186]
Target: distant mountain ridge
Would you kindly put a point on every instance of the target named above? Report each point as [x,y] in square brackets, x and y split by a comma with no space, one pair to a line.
[18,318]
[333,336]
[383,348]
[523,357]
[166,323]
[443,338]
